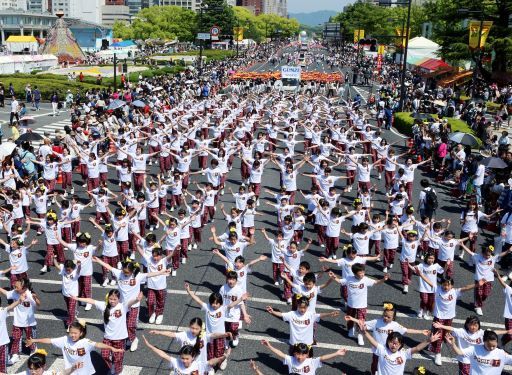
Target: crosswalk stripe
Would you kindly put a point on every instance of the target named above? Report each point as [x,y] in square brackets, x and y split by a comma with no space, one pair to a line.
[272,302]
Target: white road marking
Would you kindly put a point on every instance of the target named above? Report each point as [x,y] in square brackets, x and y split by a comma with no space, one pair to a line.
[272,302]
[250,337]
[395,132]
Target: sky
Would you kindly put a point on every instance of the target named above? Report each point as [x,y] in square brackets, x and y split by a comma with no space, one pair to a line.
[299,6]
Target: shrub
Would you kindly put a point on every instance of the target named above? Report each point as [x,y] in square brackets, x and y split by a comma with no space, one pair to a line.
[404,122]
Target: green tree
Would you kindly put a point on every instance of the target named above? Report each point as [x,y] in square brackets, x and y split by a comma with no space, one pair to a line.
[122,30]
[246,19]
[451,31]
[218,13]
[165,22]
[273,25]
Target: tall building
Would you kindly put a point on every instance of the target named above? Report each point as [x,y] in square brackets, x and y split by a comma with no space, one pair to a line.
[13,4]
[188,4]
[113,13]
[255,6]
[89,11]
[134,5]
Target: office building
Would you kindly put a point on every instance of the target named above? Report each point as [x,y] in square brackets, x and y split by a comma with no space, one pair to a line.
[13,4]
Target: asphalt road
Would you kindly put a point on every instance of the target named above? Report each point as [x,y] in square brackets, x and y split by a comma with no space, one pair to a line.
[204,272]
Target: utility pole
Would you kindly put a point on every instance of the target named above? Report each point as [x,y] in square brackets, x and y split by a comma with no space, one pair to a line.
[404,63]
[115,72]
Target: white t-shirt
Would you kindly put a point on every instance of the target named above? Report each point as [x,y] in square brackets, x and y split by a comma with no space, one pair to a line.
[381,330]
[129,286]
[471,220]
[115,329]
[156,282]
[301,326]
[308,366]
[347,263]
[430,272]
[187,338]
[69,282]
[484,362]
[18,258]
[195,368]
[4,336]
[74,352]
[507,311]
[230,295]
[215,318]
[357,291]
[466,339]
[484,267]
[445,303]
[84,255]
[24,313]
[390,238]
[392,363]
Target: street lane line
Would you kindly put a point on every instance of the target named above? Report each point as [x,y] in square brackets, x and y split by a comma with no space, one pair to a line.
[267,302]
[251,337]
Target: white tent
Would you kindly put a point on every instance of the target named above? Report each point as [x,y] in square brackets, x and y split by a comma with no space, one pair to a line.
[421,47]
[22,43]
[26,63]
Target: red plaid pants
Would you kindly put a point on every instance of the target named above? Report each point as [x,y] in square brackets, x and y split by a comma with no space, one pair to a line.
[355,313]
[114,359]
[75,228]
[111,261]
[84,286]
[232,327]
[123,249]
[103,215]
[406,272]
[277,269]
[344,292]
[389,257]
[17,334]
[131,322]
[156,301]
[449,269]
[3,358]
[320,232]
[184,247]
[176,256]
[435,347]
[71,307]
[375,243]
[138,181]
[427,301]
[66,234]
[505,339]
[93,183]
[215,348]
[482,292]
[288,287]
[196,233]
[331,245]
[152,219]
[162,204]
[67,180]
[50,251]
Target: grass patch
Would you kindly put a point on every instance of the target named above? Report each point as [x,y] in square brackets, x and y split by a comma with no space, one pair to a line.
[404,122]
[210,54]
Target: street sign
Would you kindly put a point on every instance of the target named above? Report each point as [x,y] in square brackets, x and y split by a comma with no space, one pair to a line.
[215,31]
[291,72]
[203,36]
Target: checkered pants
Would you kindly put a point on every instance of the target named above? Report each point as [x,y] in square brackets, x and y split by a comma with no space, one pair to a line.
[196,232]
[123,249]
[111,261]
[389,257]
[406,272]
[184,247]
[3,358]
[375,243]
[156,301]
[427,301]
[449,269]
[50,251]
[13,277]
[215,348]
[71,307]
[131,322]
[355,313]
[435,347]
[114,359]
[287,287]
[232,327]
[17,334]
[482,292]
[84,286]
[277,269]
[176,256]
[75,228]
[66,234]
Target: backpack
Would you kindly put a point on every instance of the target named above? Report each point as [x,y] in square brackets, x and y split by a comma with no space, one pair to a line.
[431,199]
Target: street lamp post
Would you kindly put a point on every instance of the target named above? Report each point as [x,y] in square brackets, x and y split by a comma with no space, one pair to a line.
[202,7]
[404,63]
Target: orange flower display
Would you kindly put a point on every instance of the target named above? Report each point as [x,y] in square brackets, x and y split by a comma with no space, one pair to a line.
[305,76]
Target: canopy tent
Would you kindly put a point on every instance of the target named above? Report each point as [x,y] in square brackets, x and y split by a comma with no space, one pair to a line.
[22,43]
[434,64]
[26,63]
[421,47]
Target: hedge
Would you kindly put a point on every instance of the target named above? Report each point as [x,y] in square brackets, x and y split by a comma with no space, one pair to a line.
[404,122]
[48,83]
[210,54]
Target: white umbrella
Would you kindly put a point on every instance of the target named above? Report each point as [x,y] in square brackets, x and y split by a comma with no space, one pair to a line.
[159,88]
[464,139]
[6,149]
[28,119]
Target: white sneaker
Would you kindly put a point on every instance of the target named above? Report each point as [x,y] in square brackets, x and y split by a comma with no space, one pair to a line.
[461,255]
[420,314]
[152,318]
[289,301]
[224,364]
[257,203]
[173,273]
[390,266]
[322,245]
[427,316]
[184,261]
[334,256]
[119,265]
[438,360]
[88,307]
[360,340]
[510,275]
[194,246]
[44,269]
[504,278]
[330,257]
[113,282]
[406,289]
[105,283]
[134,345]
[189,247]
[211,372]
[234,343]
[132,256]
[152,228]
[157,225]
[380,176]
[72,191]
[281,281]
[159,319]
[479,311]
[222,193]
[385,270]
[14,358]
[276,283]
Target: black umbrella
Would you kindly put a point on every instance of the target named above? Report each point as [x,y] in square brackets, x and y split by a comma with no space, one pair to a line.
[29,137]
[495,163]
